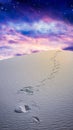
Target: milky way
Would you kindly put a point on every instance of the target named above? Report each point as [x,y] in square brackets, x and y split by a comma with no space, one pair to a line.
[26,30]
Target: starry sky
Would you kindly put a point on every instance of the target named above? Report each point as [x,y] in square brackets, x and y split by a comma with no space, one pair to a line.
[29,26]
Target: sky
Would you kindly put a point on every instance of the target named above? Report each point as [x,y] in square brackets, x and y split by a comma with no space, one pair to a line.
[29,26]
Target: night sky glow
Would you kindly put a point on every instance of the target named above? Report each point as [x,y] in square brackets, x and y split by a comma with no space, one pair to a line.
[30,26]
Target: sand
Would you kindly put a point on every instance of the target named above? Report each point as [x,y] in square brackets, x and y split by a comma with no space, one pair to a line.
[43,82]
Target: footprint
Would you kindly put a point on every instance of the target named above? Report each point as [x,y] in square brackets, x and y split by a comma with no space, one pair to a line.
[28,90]
[22,109]
[54,68]
[36,119]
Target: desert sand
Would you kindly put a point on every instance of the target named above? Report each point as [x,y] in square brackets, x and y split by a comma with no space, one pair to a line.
[36,91]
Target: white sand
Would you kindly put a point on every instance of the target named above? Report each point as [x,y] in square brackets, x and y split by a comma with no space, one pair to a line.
[50,75]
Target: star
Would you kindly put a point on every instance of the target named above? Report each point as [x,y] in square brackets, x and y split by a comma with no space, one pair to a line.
[2,8]
[14,6]
[71,5]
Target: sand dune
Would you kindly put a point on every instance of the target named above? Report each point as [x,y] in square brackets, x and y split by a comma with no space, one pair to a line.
[43,81]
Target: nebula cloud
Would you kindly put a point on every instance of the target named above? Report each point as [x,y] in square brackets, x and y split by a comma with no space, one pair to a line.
[24,32]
